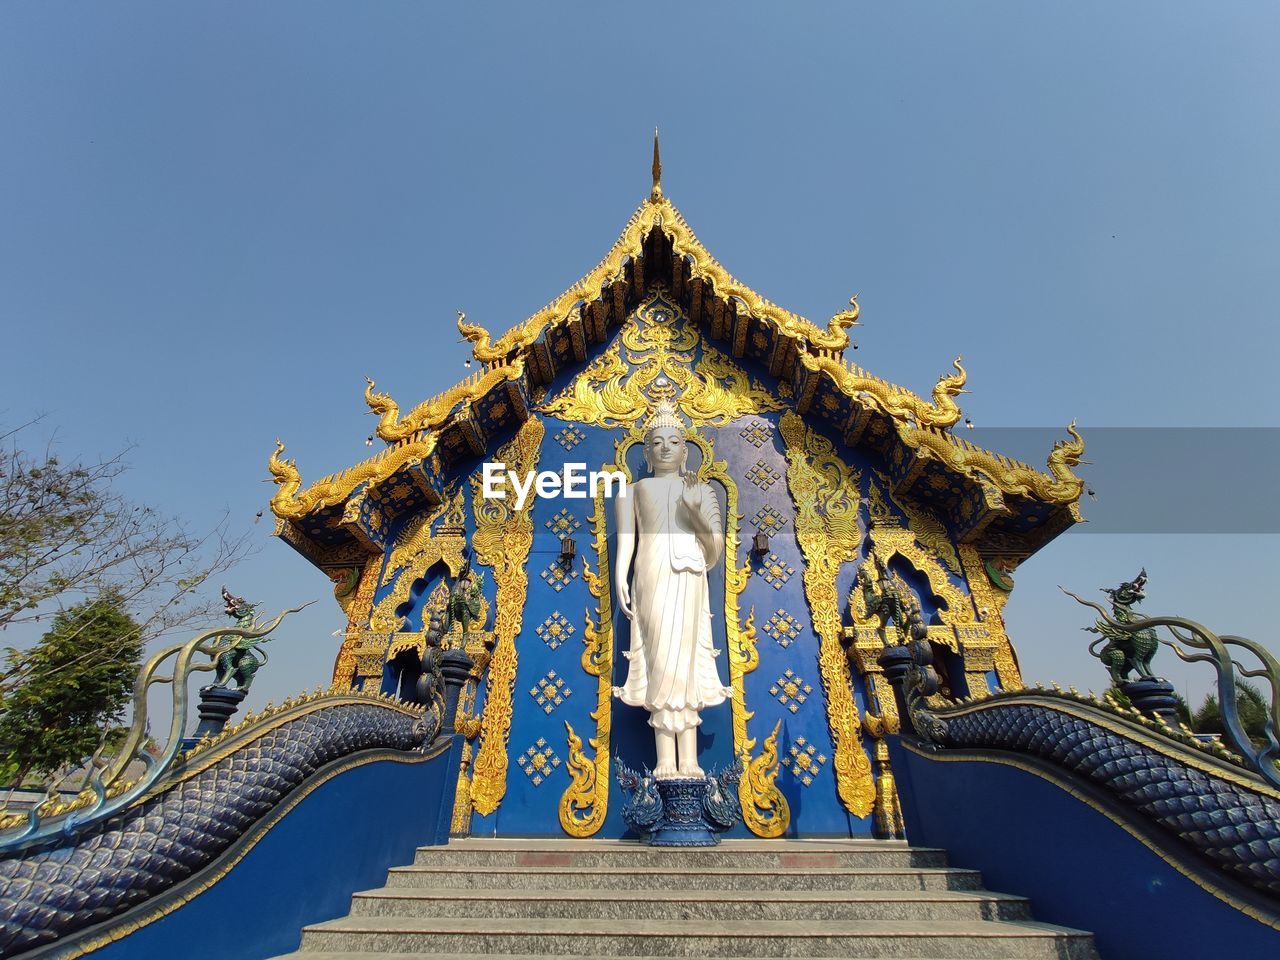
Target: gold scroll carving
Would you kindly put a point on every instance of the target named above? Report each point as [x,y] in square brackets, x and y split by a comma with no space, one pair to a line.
[502,542]
[825,492]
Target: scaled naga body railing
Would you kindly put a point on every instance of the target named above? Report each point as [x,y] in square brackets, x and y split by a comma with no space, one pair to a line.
[106,791]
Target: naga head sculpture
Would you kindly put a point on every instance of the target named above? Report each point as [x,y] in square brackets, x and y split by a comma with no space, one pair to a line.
[1130,591]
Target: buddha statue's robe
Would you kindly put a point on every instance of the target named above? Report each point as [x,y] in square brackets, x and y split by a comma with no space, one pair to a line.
[672,663]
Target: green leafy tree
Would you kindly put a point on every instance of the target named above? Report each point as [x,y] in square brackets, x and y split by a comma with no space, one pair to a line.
[77,683]
[68,537]
[1250,703]
[110,576]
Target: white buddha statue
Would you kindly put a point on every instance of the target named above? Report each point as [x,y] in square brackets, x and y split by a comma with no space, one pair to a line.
[669,524]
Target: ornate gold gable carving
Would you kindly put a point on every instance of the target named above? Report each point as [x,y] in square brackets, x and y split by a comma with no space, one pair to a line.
[656,350]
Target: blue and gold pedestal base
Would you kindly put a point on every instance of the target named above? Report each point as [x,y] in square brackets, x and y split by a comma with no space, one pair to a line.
[1153,696]
[683,822]
[217,704]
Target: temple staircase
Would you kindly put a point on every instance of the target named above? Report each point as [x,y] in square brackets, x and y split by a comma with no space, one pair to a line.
[745,898]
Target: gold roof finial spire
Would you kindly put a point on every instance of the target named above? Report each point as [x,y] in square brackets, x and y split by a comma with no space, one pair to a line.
[656,193]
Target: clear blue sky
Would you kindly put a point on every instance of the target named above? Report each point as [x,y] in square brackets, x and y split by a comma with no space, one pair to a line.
[216,219]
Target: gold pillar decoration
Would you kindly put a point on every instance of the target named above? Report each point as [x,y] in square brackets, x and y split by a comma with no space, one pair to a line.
[502,542]
[460,826]
[990,603]
[888,810]
[467,724]
[865,647]
[978,654]
[356,605]
[586,800]
[825,492]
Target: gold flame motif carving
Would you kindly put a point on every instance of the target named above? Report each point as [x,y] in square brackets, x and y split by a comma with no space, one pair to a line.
[764,809]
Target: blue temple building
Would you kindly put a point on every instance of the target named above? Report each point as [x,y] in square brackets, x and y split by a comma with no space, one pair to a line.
[891,769]
[817,463]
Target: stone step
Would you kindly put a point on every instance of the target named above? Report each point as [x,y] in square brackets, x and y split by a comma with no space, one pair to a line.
[736,853]
[382,955]
[554,879]
[665,904]
[757,938]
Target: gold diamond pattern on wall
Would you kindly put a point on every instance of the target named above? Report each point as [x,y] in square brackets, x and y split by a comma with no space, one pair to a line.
[804,761]
[763,475]
[563,524]
[769,521]
[554,630]
[757,433]
[775,571]
[550,692]
[570,437]
[559,575]
[539,761]
[790,690]
[782,627]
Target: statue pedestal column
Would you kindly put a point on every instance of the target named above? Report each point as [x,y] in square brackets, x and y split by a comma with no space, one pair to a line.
[1154,696]
[217,704]
[455,666]
[683,822]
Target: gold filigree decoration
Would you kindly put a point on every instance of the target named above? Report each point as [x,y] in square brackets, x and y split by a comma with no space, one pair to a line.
[438,535]
[502,542]
[825,492]
[660,346]
[767,814]
[990,604]
[597,395]
[430,414]
[586,801]
[892,539]
[926,527]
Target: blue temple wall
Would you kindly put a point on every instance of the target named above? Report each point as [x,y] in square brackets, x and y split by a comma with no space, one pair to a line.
[558,596]
[340,838]
[1066,851]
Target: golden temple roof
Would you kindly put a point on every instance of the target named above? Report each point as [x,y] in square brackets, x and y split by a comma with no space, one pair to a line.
[657,249]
